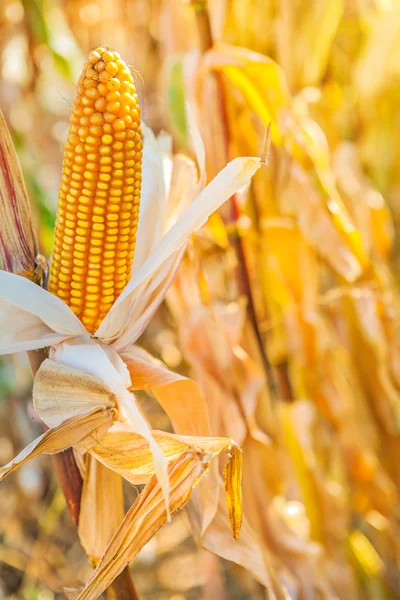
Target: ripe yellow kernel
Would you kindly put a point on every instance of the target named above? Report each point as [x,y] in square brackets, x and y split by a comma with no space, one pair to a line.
[94,56]
[84,121]
[100,104]
[92,93]
[104,77]
[119,125]
[90,73]
[100,189]
[107,56]
[113,97]
[100,66]
[107,139]
[113,107]
[97,119]
[96,130]
[93,140]
[86,101]
[103,89]
[109,117]
[105,150]
[113,84]
[112,68]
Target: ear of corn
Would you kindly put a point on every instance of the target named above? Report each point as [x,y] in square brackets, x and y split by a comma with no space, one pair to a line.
[98,210]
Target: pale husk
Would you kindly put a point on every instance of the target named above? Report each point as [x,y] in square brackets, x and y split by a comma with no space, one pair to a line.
[101,508]
[60,392]
[146,516]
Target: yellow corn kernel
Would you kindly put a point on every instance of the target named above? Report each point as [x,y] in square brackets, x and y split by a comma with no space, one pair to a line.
[97,216]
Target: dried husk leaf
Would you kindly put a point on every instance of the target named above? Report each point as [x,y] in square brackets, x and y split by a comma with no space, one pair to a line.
[245,552]
[129,454]
[233,490]
[174,392]
[259,78]
[106,365]
[146,516]
[18,243]
[31,318]
[101,508]
[165,256]
[322,231]
[171,390]
[367,206]
[60,392]
[71,432]
[312,44]
[372,358]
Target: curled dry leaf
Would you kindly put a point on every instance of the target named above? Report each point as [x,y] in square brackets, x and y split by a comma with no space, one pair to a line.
[171,390]
[146,516]
[18,243]
[71,432]
[129,455]
[233,489]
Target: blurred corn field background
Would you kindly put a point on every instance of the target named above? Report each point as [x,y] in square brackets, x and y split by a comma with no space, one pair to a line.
[285,309]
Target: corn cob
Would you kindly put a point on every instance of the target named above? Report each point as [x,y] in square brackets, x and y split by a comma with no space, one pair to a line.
[99,197]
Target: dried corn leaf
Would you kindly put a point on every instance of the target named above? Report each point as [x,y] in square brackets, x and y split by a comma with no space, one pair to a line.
[319,27]
[246,552]
[146,516]
[73,431]
[18,243]
[304,36]
[129,454]
[289,256]
[101,508]
[321,230]
[365,554]
[233,490]
[367,206]
[303,469]
[372,359]
[172,391]
[260,79]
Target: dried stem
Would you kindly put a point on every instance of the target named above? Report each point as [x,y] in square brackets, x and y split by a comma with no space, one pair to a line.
[232,216]
[70,482]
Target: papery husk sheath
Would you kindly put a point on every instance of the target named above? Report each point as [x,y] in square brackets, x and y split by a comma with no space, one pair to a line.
[18,242]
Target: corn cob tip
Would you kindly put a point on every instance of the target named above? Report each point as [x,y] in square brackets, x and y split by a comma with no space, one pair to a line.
[99,197]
